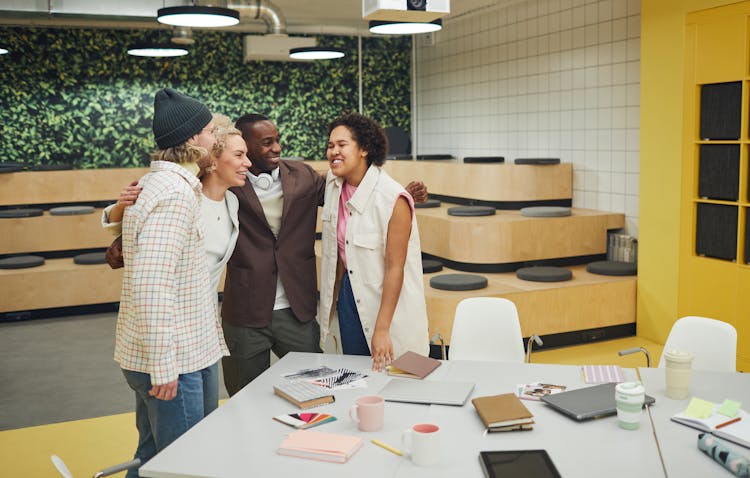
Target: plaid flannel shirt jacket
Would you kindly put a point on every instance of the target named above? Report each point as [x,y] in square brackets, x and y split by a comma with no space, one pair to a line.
[168,323]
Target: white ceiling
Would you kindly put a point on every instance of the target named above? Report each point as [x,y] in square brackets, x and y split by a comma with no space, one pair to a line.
[302,16]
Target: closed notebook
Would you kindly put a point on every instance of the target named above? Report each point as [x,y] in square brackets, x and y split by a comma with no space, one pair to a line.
[303,394]
[320,446]
[413,365]
[503,411]
[737,431]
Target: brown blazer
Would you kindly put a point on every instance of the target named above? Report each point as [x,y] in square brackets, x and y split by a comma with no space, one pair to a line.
[250,288]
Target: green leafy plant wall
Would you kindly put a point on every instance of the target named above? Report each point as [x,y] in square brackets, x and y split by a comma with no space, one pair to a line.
[74,96]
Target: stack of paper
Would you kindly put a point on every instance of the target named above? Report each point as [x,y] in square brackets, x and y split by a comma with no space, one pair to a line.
[502,413]
[303,394]
[320,446]
[603,374]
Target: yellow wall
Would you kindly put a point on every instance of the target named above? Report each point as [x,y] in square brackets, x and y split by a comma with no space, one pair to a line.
[672,283]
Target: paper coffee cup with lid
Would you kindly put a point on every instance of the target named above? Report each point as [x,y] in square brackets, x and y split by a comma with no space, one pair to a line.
[677,366]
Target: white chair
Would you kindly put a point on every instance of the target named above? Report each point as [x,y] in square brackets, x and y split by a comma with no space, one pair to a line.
[486,328]
[713,343]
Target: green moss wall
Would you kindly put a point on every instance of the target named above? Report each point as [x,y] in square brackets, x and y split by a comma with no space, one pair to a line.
[74,96]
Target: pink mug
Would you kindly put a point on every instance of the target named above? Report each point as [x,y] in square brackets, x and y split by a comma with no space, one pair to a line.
[368,411]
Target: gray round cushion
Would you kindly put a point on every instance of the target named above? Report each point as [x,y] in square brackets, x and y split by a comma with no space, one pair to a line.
[545,211]
[458,282]
[484,159]
[71,210]
[538,161]
[90,258]
[11,167]
[434,156]
[612,268]
[544,274]
[21,212]
[427,204]
[429,266]
[471,211]
[21,262]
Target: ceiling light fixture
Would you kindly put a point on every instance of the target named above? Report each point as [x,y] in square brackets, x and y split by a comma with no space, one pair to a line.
[404,28]
[315,53]
[196,16]
[157,50]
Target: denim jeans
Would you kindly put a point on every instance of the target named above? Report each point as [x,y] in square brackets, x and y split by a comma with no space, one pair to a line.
[160,422]
[353,341]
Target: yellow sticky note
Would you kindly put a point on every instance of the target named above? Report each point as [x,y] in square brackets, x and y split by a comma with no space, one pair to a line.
[699,408]
[729,408]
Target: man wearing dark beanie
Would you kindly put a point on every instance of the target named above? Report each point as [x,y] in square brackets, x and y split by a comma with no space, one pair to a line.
[169,338]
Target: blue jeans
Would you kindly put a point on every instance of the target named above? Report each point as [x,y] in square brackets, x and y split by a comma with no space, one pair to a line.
[353,341]
[160,422]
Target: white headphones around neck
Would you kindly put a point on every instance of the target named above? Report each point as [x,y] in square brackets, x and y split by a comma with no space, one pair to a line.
[264,181]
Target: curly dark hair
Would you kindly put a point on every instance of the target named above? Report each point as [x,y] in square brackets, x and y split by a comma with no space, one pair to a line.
[368,134]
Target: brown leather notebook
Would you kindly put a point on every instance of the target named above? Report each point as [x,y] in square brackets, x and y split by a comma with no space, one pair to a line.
[502,411]
[413,365]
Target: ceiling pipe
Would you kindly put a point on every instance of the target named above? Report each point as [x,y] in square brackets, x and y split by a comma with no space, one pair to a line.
[261,10]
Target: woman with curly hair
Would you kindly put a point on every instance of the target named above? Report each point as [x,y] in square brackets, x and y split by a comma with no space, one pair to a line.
[372,294]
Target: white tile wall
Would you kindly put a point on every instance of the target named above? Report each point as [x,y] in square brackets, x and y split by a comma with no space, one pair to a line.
[540,78]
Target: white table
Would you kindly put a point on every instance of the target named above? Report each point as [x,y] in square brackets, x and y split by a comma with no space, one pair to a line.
[679,443]
[240,438]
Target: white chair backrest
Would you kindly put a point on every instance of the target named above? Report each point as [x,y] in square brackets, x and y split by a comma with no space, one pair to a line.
[713,343]
[486,328]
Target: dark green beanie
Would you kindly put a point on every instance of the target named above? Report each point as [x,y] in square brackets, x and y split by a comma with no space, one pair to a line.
[177,118]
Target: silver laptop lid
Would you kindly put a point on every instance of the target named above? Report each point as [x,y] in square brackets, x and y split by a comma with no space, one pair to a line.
[587,403]
[426,391]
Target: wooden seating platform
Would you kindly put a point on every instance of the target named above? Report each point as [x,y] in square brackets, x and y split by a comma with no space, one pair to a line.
[53,233]
[503,183]
[59,283]
[588,301]
[509,237]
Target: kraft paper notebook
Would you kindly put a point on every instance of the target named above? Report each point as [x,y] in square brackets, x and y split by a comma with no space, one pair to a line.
[413,365]
[503,412]
[320,446]
[735,428]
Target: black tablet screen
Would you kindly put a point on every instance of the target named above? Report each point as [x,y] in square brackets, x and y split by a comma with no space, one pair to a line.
[526,463]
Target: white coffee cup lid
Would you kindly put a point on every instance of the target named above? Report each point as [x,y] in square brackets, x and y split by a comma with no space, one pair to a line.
[630,388]
[679,355]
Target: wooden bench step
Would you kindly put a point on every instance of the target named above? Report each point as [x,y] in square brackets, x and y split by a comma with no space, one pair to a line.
[587,301]
[499,183]
[508,237]
[53,233]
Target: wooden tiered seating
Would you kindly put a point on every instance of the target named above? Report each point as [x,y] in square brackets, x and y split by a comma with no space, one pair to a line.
[59,283]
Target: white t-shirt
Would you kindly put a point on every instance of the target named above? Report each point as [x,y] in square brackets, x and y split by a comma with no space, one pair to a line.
[218,226]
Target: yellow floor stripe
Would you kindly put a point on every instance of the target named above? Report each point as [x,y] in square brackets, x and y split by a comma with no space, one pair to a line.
[89,445]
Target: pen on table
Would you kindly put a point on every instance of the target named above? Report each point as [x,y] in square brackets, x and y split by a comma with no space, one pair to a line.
[729,422]
[387,447]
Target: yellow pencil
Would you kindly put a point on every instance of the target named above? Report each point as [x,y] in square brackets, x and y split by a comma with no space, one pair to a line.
[387,447]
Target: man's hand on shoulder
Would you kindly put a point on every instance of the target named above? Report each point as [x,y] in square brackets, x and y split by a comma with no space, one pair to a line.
[418,191]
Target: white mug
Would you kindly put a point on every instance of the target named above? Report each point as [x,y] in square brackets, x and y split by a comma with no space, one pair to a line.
[422,442]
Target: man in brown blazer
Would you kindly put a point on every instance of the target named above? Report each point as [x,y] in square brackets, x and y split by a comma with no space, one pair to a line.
[270,294]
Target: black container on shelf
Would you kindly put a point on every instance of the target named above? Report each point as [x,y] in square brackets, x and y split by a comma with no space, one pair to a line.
[716,231]
[719,171]
[721,110]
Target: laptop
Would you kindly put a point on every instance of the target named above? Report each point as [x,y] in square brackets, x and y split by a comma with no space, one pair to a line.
[426,391]
[587,403]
